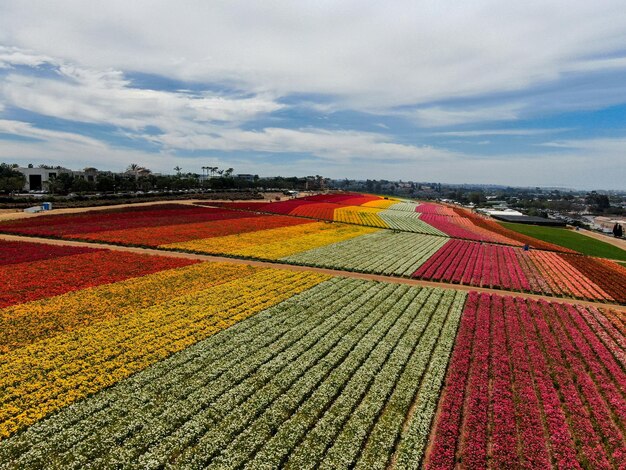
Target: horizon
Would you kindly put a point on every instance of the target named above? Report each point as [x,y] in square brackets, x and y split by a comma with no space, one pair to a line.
[484,92]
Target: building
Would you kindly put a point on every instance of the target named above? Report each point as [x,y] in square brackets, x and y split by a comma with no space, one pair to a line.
[37,179]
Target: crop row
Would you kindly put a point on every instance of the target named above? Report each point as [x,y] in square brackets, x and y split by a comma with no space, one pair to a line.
[27,323]
[532,384]
[51,373]
[117,219]
[347,373]
[274,243]
[607,274]
[367,216]
[383,252]
[505,267]
[27,281]
[166,234]
[408,222]
[22,252]
[434,209]
[404,206]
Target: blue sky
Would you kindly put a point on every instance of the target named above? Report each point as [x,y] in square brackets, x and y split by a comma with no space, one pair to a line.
[528,94]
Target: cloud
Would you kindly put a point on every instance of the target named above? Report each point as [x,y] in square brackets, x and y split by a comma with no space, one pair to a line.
[438,116]
[24,129]
[611,147]
[12,56]
[329,145]
[506,132]
[366,54]
[107,98]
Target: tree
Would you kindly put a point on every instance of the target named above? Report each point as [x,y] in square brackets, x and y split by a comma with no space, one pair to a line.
[61,183]
[10,178]
[177,169]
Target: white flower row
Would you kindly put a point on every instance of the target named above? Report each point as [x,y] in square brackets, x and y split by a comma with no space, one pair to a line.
[383,252]
[418,340]
[408,222]
[318,386]
[404,206]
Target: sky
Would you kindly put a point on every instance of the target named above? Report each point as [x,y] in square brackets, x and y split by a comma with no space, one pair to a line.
[526,93]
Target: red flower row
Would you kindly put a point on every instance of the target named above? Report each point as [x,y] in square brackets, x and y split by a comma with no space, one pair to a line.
[156,236]
[22,252]
[606,274]
[471,263]
[25,282]
[499,266]
[100,221]
[531,385]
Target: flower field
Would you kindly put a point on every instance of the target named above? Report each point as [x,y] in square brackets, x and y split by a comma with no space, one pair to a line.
[118,359]
[325,379]
[532,385]
[68,269]
[116,219]
[511,268]
[382,252]
[166,234]
[274,243]
[45,369]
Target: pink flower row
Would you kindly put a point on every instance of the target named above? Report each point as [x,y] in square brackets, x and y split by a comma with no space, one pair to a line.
[531,385]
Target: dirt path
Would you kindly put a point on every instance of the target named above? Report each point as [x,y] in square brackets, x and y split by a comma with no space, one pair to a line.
[618,242]
[291,267]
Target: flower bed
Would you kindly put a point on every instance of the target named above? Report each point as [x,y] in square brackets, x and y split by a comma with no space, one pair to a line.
[530,385]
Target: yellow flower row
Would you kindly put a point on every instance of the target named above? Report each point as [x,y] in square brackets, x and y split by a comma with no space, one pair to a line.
[381,203]
[43,377]
[359,215]
[26,323]
[275,243]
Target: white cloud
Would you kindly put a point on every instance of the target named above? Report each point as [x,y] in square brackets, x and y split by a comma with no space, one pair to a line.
[24,129]
[438,116]
[106,97]
[12,56]
[367,54]
[329,145]
[507,132]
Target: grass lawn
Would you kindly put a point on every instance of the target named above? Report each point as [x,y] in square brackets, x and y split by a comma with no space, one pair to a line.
[570,239]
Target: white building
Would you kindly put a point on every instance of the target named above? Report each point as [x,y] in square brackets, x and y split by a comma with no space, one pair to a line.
[37,178]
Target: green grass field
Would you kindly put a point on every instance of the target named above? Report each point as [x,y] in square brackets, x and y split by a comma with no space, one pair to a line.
[570,239]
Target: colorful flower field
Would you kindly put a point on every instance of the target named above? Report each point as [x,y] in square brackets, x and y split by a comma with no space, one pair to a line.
[219,365]
[363,242]
[382,252]
[273,244]
[116,219]
[61,348]
[532,385]
[64,269]
[511,268]
[344,373]
[435,219]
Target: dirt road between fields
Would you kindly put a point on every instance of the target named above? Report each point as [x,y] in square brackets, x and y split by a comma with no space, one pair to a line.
[291,267]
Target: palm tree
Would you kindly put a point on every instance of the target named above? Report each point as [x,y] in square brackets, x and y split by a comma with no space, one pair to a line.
[177,169]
